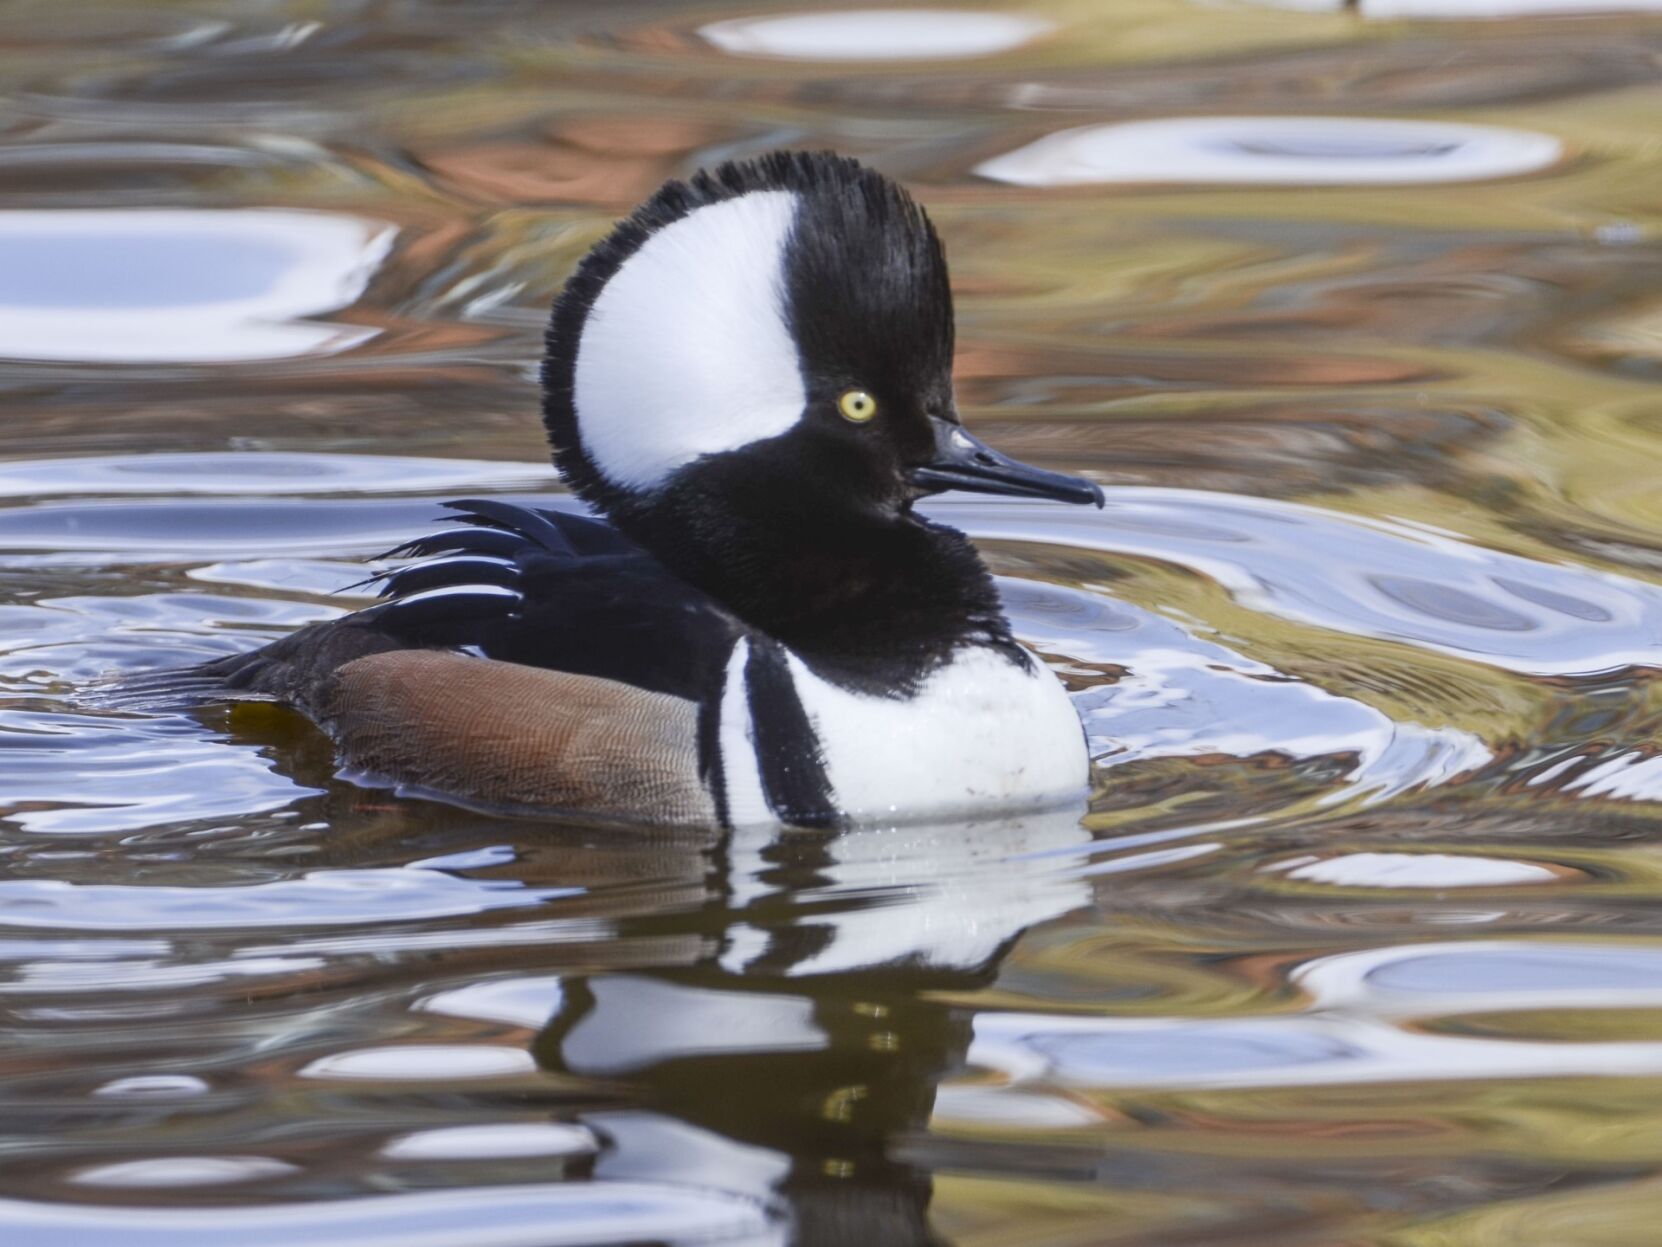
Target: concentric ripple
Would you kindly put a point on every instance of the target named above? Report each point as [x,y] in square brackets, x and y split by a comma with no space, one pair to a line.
[1371,578]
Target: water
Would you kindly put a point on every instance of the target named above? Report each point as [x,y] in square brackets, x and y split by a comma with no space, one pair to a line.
[1360,939]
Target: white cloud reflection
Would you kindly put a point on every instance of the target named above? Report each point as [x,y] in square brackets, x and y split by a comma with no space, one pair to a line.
[175,285]
[875,34]
[1292,151]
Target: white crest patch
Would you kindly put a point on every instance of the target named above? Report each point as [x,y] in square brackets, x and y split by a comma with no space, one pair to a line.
[687,350]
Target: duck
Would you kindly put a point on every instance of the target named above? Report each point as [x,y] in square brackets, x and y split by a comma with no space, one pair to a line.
[748,382]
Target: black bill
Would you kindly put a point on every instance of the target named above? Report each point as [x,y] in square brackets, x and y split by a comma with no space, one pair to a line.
[963,461]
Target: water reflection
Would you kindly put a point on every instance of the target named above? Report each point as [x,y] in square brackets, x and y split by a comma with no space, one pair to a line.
[153,1087]
[186,475]
[762,1074]
[183,1171]
[1377,578]
[418,1063]
[1359,1026]
[1182,696]
[794,1057]
[876,34]
[181,285]
[324,898]
[551,1215]
[1291,1052]
[494,1142]
[1416,870]
[1300,151]
[1483,976]
[1466,10]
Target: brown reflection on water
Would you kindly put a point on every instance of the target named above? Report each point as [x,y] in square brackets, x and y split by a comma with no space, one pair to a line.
[608,162]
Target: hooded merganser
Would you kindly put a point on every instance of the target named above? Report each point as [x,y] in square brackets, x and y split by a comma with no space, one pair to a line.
[751,378]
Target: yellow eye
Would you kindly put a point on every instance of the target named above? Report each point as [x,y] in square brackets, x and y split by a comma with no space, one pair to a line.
[858,406]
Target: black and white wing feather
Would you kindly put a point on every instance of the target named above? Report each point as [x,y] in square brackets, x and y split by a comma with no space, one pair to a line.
[539,587]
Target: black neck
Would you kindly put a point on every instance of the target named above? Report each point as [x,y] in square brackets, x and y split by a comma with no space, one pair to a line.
[873,603]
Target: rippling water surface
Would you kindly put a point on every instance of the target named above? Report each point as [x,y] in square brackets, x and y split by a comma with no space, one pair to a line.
[1353,308]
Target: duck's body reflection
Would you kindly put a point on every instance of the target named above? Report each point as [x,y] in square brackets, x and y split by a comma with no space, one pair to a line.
[793,1058]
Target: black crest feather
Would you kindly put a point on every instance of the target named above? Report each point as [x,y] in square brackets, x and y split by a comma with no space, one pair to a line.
[866,267]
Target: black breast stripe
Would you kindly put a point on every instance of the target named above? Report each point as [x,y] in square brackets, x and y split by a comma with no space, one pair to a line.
[709,746]
[787,748]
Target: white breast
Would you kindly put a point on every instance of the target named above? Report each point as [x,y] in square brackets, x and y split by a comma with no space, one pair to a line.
[981,736]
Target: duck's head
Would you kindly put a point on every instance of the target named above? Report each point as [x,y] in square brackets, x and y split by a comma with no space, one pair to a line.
[776,335]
